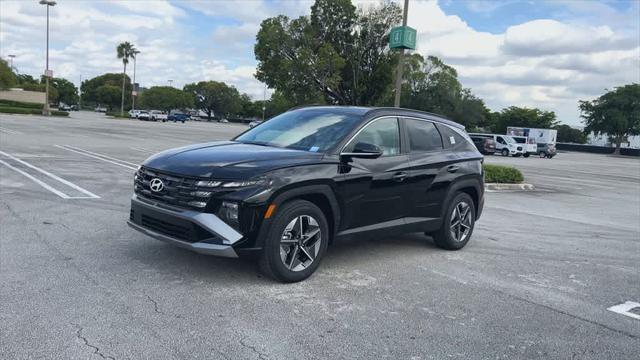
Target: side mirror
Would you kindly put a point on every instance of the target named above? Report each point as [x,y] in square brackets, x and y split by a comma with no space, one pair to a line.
[364,151]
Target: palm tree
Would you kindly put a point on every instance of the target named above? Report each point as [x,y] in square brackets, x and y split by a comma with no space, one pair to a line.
[126,51]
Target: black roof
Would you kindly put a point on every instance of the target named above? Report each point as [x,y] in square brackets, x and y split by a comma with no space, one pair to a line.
[366,111]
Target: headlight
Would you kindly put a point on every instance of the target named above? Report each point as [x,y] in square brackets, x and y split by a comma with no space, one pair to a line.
[228,212]
[243,183]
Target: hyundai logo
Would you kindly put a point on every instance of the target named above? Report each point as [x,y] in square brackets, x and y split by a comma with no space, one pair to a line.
[156,185]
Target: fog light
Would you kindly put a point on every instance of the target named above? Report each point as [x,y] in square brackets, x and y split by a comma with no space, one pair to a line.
[199,204]
[229,211]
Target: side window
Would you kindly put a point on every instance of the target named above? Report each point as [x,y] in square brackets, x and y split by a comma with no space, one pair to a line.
[501,140]
[423,136]
[384,133]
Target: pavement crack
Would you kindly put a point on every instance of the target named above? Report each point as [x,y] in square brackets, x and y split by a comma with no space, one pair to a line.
[261,355]
[96,350]
[155,304]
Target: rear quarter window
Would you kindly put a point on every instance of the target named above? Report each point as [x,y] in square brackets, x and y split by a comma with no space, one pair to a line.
[453,140]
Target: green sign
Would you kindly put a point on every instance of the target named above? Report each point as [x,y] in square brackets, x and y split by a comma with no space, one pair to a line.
[402,37]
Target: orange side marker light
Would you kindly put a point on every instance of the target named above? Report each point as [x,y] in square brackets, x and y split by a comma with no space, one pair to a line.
[270,211]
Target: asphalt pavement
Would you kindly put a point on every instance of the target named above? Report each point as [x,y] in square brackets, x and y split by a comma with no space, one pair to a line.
[535,282]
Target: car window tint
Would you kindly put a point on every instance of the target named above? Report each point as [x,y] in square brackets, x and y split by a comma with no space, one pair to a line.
[423,136]
[385,133]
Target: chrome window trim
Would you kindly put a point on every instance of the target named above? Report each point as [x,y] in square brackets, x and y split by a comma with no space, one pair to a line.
[371,122]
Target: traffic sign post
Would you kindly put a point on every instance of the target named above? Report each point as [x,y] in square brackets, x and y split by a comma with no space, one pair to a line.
[402,37]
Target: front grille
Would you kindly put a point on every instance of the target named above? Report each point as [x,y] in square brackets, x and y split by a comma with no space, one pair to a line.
[519,148]
[171,229]
[177,191]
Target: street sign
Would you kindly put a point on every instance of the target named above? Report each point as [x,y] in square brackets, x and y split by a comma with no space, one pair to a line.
[48,73]
[402,37]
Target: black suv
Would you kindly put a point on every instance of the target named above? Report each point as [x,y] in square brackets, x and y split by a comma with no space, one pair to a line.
[289,187]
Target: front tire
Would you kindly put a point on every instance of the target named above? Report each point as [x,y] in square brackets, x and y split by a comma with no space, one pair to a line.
[543,155]
[505,152]
[458,223]
[526,155]
[296,242]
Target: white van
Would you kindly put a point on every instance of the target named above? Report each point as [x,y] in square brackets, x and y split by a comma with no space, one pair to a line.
[505,144]
[529,144]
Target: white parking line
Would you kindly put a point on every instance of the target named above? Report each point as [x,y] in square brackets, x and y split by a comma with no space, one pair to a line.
[141,149]
[9,131]
[625,309]
[89,194]
[98,156]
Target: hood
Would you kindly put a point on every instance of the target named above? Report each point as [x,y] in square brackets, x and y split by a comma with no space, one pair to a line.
[227,160]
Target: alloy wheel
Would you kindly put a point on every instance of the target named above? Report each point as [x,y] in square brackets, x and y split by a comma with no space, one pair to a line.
[300,243]
[461,221]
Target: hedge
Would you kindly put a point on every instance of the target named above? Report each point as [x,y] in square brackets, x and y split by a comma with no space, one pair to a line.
[28,105]
[502,174]
[22,110]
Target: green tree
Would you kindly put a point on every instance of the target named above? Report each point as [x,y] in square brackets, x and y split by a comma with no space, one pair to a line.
[431,85]
[616,113]
[7,77]
[570,135]
[165,98]
[65,91]
[108,95]
[336,55]
[25,79]
[125,51]
[523,117]
[215,97]
[89,88]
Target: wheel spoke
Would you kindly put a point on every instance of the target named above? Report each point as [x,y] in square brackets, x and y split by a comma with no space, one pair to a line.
[308,237]
[306,253]
[294,256]
[288,241]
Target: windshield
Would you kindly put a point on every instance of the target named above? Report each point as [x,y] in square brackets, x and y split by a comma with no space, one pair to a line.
[509,139]
[520,140]
[314,130]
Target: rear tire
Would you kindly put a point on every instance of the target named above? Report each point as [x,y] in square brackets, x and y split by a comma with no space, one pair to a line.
[505,152]
[526,155]
[296,242]
[543,155]
[458,223]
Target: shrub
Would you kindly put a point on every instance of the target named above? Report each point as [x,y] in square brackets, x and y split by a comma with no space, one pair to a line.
[502,174]
[19,110]
[28,105]
[59,113]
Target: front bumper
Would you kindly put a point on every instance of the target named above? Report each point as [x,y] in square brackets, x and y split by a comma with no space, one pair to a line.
[200,232]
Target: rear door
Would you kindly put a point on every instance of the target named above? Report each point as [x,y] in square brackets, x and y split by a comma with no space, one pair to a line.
[428,169]
[375,190]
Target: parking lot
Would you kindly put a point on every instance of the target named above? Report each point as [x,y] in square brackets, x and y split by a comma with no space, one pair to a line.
[535,281]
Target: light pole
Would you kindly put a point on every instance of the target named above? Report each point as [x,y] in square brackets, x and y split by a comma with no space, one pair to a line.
[80,94]
[396,102]
[11,57]
[47,73]
[170,82]
[134,93]
[264,101]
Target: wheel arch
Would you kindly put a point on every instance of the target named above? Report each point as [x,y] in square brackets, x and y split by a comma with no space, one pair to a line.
[472,187]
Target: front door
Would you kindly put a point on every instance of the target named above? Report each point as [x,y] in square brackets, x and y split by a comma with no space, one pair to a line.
[375,191]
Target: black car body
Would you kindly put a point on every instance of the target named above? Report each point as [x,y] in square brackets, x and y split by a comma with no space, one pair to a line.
[363,171]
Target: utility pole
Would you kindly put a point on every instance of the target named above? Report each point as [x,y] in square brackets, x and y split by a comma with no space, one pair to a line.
[47,73]
[134,94]
[396,102]
[264,101]
[11,57]
[80,94]
[170,82]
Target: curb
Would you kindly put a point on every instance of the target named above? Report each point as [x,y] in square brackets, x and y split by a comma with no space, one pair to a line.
[508,187]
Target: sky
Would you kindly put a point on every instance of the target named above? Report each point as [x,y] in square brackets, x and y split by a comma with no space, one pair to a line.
[545,54]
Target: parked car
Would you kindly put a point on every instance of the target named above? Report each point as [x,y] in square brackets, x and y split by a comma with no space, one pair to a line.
[529,145]
[155,115]
[64,107]
[134,113]
[75,108]
[547,150]
[485,145]
[176,116]
[255,123]
[308,177]
[144,115]
[505,144]
[101,109]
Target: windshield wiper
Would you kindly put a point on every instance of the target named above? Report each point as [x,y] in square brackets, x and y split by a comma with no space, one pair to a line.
[260,143]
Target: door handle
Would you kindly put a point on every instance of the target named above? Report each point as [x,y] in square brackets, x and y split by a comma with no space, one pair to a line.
[453,168]
[399,177]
